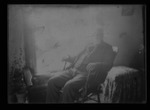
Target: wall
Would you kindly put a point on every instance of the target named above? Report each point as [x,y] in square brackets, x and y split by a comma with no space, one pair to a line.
[65,31]
[124,31]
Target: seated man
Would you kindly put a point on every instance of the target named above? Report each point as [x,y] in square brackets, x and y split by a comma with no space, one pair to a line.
[74,77]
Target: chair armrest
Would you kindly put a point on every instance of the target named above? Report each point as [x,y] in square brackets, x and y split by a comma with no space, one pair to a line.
[97,73]
[97,66]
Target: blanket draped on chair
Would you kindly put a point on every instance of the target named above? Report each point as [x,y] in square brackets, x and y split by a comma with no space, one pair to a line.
[122,85]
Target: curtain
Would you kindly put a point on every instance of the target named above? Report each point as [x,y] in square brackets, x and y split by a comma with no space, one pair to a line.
[21,49]
[29,41]
[29,47]
[16,53]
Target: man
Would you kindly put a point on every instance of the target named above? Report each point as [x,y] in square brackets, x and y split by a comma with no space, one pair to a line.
[74,77]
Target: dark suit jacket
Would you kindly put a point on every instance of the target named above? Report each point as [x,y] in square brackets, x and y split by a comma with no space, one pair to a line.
[102,53]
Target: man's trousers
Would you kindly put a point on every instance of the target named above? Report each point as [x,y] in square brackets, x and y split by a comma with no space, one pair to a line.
[67,83]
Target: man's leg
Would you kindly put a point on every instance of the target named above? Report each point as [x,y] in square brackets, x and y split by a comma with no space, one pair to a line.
[55,84]
[97,77]
[71,88]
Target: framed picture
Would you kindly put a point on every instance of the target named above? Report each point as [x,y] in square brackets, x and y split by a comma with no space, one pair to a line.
[127,11]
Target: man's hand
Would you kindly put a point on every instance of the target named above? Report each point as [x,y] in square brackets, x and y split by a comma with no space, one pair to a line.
[66,58]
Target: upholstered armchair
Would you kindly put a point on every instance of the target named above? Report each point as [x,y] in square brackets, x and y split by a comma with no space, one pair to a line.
[123,85]
[97,73]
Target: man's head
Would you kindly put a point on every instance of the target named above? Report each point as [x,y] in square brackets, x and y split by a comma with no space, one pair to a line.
[99,36]
[96,38]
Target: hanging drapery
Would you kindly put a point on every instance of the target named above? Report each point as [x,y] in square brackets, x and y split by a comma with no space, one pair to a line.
[29,44]
[15,38]
[16,60]
[21,49]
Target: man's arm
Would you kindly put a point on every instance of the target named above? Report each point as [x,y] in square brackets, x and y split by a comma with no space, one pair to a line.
[94,66]
[69,59]
[106,63]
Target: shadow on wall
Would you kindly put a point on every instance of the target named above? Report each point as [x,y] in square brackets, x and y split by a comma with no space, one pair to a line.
[129,47]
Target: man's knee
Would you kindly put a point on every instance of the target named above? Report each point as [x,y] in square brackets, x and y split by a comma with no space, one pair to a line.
[70,92]
[69,87]
[56,80]
[52,81]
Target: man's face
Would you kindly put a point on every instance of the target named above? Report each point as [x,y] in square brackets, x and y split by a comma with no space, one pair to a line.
[98,39]
[99,36]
